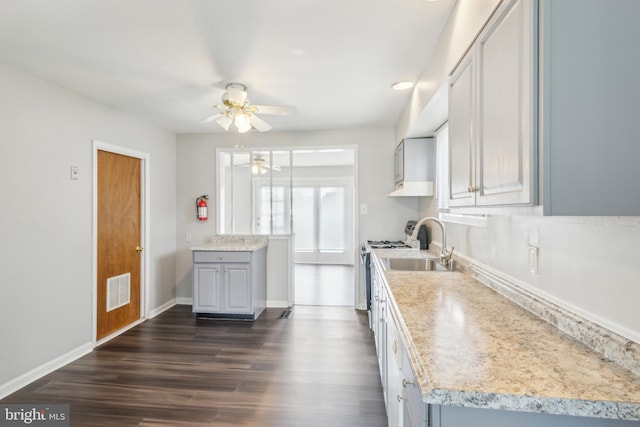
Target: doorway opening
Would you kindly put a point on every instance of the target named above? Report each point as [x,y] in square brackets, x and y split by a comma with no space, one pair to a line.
[308,194]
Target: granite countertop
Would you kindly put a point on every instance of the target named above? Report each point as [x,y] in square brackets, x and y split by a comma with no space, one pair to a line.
[470,346]
[233,243]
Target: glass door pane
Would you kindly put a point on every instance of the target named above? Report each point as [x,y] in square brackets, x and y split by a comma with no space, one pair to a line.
[241,186]
[263,209]
[332,217]
[304,219]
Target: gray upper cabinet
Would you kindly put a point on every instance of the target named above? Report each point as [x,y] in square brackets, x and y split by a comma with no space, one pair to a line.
[414,165]
[461,138]
[542,110]
[506,101]
[491,113]
[589,110]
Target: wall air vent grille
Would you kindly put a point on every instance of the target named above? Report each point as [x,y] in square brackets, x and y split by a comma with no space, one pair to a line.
[118,291]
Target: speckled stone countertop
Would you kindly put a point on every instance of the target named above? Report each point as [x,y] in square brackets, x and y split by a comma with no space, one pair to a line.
[233,243]
[470,346]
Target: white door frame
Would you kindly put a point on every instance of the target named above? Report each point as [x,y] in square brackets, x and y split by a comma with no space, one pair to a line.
[144,228]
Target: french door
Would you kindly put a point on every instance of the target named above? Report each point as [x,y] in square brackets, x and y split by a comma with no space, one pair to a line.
[323,222]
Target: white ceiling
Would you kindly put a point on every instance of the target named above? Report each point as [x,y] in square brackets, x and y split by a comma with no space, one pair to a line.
[168,61]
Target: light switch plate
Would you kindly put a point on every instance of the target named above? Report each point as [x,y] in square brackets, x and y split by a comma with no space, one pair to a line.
[75,173]
[364,209]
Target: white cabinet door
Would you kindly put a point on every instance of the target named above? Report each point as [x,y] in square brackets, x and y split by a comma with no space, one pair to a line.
[461,139]
[505,106]
[492,106]
[237,288]
[394,377]
[207,287]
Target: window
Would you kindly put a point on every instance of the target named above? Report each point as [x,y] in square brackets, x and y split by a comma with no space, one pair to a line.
[308,192]
[442,167]
[442,184]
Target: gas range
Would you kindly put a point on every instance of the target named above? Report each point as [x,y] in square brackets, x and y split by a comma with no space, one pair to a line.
[387,244]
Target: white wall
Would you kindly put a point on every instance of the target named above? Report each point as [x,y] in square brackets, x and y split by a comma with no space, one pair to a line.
[386,216]
[427,109]
[46,243]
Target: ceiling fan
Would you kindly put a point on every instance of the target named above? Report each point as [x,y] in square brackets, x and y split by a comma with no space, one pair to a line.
[259,165]
[237,109]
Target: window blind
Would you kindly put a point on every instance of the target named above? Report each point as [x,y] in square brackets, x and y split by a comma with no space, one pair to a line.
[442,167]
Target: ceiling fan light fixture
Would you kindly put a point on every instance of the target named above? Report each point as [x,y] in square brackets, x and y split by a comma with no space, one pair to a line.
[242,122]
[403,85]
[237,109]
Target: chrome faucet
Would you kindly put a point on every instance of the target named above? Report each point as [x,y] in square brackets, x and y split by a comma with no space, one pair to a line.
[445,254]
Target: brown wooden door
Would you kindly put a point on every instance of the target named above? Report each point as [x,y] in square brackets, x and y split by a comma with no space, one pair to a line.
[119,242]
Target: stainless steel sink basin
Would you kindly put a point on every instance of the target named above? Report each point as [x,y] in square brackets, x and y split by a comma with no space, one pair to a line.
[412,264]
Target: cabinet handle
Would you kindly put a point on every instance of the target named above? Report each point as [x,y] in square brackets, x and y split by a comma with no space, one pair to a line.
[399,397]
[394,346]
[469,189]
[406,382]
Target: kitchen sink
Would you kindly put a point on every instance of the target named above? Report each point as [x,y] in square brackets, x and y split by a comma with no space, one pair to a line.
[412,264]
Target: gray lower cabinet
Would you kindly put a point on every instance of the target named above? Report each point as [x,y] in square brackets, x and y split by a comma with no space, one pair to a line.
[404,401]
[454,416]
[229,284]
[414,411]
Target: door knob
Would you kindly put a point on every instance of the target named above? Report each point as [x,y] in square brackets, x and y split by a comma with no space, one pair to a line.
[139,249]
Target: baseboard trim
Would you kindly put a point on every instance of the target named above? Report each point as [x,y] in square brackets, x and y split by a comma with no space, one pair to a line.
[44,369]
[164,307]
[184,301]
[277,304]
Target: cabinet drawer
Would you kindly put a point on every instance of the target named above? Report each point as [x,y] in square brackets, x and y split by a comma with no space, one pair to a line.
[216,256]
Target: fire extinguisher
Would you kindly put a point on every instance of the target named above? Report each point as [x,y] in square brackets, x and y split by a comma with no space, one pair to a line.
[201,208]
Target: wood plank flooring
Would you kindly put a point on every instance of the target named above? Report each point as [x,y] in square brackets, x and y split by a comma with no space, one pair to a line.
[325,284]
[317,368]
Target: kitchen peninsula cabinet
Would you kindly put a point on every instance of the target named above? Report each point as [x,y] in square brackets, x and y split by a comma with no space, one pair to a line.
[491,113]
[229,284]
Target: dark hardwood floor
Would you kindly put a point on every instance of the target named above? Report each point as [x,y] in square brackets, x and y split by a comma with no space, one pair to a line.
[317,368]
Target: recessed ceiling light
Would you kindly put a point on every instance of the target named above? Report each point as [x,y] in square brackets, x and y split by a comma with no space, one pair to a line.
[402,85]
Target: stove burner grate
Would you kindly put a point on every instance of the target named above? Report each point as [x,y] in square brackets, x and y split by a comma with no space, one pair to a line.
[387,244]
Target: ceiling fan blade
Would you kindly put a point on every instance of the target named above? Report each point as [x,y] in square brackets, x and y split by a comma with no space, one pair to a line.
[211,118]
[224,121]
[279,110]
[259,124]
[236,94]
